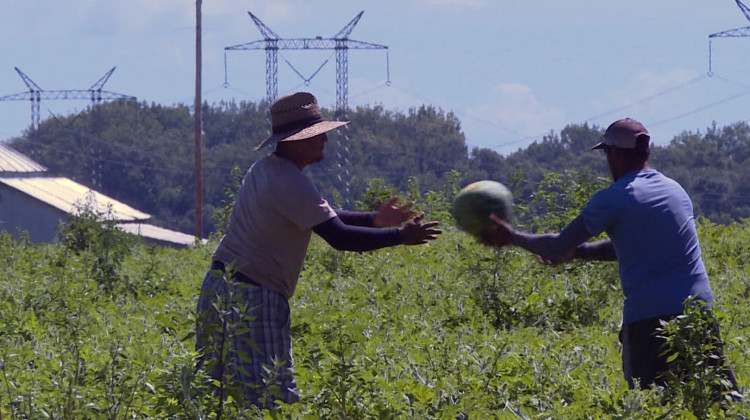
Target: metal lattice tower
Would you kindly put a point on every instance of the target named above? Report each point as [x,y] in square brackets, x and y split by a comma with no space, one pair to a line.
[35,94]
[732,33]
[340,43]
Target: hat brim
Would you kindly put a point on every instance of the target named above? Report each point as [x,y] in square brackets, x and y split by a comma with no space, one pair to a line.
[302,134]
[600,145]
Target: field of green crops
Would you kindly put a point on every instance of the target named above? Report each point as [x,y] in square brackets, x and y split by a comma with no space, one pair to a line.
[100,327]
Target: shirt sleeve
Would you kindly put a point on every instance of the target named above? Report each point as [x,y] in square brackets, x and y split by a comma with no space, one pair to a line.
[602,211]
[356,218]
[299,200]
[356,238]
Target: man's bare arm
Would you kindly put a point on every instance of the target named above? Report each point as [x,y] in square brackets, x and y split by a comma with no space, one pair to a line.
[553,246]
[599,250]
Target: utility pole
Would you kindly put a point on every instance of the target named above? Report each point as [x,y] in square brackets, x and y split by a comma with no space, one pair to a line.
[35,94]
[732,33]
[198,126]
[340,43]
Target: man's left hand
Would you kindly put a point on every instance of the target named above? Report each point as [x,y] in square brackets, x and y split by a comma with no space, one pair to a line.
[390,214]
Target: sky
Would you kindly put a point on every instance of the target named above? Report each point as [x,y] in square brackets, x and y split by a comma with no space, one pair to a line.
[511,71]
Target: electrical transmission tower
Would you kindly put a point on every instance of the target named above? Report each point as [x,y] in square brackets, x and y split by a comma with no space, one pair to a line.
[35,94]
[732,33]
[340,43]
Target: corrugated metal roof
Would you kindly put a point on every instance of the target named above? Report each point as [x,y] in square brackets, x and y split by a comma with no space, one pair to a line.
[12,161]
[68,196]
[159,234]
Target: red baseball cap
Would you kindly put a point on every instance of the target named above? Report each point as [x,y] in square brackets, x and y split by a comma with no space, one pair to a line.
[623,134]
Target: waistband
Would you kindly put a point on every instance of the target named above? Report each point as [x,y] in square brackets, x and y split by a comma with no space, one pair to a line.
[218,265]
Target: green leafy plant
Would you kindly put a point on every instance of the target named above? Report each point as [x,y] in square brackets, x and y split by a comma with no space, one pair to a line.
[222,328]
[223,212]
[698,371]
[559,198]
[93,233]
[450,330]
[376,194]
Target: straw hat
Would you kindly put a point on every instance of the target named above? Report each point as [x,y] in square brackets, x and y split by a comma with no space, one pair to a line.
[297,117]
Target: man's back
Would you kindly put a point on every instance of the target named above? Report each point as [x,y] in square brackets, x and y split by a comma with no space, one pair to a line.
[271,224]
[649,219]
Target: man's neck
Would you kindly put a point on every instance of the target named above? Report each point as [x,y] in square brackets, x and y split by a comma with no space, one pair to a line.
[297,161]
[628,169]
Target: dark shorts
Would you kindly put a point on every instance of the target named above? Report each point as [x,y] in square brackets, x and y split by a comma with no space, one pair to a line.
[257,325]
[641,347]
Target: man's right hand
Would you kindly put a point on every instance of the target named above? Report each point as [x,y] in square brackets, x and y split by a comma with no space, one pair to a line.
[415,232]
[498,234]
[557,261]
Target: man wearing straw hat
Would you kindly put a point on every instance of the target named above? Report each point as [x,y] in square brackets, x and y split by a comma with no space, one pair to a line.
[243,311]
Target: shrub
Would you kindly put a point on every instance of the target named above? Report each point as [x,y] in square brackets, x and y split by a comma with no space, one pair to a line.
[698,371]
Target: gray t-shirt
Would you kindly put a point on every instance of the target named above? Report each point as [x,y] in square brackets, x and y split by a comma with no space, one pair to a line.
[271,224]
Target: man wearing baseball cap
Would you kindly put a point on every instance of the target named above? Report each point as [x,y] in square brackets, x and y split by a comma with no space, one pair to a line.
[650,223]
[244,324]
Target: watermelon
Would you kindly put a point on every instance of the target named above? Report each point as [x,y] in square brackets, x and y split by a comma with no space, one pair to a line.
[473,205]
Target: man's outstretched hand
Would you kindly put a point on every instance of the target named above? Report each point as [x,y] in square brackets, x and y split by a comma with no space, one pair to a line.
[416,232]
[498,234]
[390,214]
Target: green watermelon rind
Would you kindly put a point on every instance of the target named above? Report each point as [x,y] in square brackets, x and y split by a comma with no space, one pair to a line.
[473,205]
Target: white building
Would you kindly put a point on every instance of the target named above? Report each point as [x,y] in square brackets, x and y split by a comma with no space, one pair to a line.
[33,202]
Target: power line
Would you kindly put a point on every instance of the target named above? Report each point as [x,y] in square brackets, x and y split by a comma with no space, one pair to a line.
[458,112]
[124,148]
[649,98]
[89,158]
[703,108]
[724,79]
[373,147]
[381,146]
[370,90]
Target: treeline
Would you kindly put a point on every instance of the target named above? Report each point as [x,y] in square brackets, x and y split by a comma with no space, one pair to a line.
[143,155]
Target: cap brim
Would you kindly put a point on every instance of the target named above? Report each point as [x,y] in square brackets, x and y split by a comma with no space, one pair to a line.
[600,145]
[302,134]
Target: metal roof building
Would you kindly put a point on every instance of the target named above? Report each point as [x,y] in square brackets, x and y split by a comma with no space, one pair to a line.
[67,196]
[12,162]
[32,202]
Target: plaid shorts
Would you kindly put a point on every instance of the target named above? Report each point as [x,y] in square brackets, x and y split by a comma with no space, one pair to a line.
[251,326]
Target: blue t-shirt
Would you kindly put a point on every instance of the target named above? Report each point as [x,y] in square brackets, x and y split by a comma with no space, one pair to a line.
[649,219]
